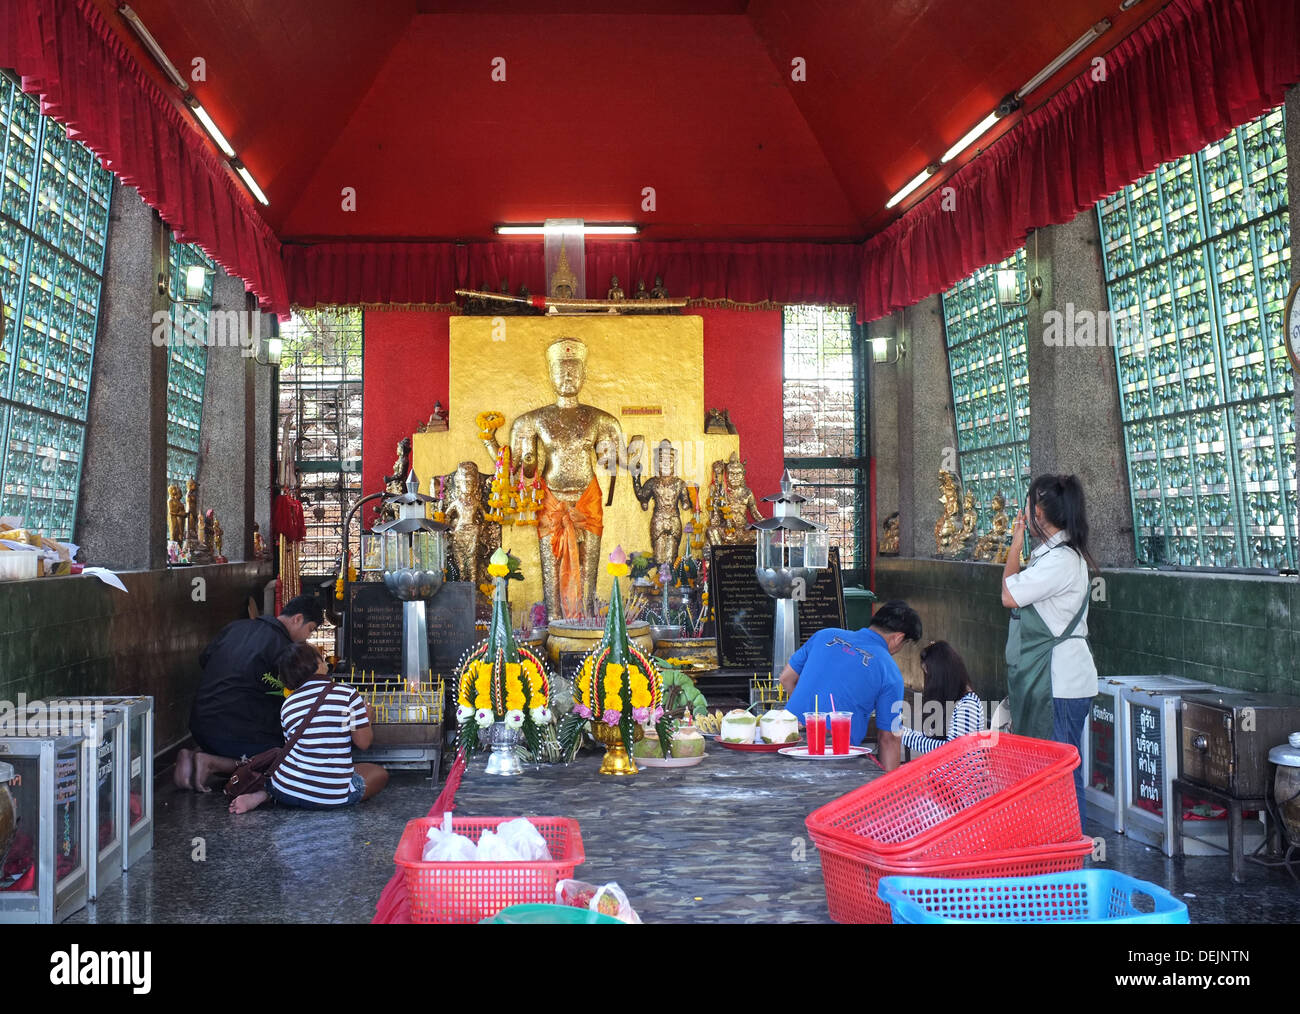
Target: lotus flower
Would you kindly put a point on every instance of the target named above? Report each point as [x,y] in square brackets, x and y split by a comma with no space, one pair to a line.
[484,718]
[463,714]
[514,719]
[610,717]
[642,715]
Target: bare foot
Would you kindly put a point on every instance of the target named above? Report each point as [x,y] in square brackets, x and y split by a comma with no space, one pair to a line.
[249,801]
[206,765]
[183,773]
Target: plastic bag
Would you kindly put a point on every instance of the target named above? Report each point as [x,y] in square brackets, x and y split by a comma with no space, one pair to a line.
[493,848]
[444,845]
[524,838]
[608,899]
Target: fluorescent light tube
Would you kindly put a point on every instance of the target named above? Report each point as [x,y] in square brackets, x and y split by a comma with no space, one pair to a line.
[970,137]
[251,183]
[587,230]
[1076,47]
[213,130]
[196,277]
[155,50]
[921,177]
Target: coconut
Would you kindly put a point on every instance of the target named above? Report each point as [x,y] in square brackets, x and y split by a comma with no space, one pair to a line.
[739,727]
[687,742]
[778,726]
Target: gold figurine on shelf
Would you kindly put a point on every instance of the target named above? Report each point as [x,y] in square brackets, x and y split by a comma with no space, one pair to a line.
[739,504]
[992,545]
[474,536]
[889,536]
[947,530]
[615,293]
[670,496]
[175,515]
[191,511]
[969,519]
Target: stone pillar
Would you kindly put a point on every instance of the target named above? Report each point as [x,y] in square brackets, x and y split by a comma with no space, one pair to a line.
[1074,413]
[264,429]
[885,424]
[927,434]
[121,515]
[226,423]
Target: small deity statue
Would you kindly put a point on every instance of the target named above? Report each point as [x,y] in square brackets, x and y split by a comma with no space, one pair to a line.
[191,510]
[175,514]
[396,483]
[947,529]
[615,293]
[640,291]
[969,518]
[473,538]
[216,537]
[715,420]
[992,546]
[564,283]
[659,292]
[741,506]
[715,503]
[889,536]
[670,497]
[438,418]
[259,547]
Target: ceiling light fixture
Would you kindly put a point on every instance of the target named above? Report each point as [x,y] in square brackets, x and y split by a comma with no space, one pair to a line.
[213,130]
[151,44]
[920,178]
[970,137]
[1075,48]
[249,182]
[586,230]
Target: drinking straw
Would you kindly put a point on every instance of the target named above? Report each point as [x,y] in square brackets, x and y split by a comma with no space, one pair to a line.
[816,709]
[832,702]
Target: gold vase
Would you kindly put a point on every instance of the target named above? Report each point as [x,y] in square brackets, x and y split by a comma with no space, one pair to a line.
[617,760]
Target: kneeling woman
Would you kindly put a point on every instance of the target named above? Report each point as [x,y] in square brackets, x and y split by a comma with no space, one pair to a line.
[947,687]
[318,773]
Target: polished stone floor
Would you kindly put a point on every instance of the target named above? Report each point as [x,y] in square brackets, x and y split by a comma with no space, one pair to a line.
[721,842]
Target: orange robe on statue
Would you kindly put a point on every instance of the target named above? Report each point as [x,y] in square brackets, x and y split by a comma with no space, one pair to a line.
[562,522]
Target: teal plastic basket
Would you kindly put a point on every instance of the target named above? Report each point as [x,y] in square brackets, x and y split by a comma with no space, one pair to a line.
[1098,896]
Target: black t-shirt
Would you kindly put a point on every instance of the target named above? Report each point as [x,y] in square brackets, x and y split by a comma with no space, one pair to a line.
[232,701]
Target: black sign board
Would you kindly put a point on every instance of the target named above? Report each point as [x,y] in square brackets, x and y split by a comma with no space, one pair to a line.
[1148,759]
[374,626]
[1101,740]
[570,663]
[745,613]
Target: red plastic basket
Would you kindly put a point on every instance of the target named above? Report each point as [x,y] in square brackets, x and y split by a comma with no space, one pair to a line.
[852,882]
[468,892]
[980,793]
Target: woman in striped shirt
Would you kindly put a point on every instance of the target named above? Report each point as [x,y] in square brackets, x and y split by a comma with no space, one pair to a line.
[947,691]
[318,773]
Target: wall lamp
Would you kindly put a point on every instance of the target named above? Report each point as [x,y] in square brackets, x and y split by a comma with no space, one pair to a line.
[1009,282]
[274,346]
[880,349]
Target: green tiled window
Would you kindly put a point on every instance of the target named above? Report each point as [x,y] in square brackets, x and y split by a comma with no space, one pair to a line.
[824,434]
[1197,261]
[989,366]
[54,199]
[187,361]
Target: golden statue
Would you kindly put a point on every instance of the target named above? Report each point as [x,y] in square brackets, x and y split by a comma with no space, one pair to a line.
[992,546]
[192,511]
[947,530]
[889,536]
[969,519]
[175,515]
[473,537]
[615,293]
[216,535]
[564,283]
[739,505]
[564,445]
[670,496]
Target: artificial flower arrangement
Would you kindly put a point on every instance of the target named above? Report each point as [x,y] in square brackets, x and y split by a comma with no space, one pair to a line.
[618,686]
[499,680]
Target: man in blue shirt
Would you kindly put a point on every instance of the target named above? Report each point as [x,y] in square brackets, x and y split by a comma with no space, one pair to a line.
[855,666]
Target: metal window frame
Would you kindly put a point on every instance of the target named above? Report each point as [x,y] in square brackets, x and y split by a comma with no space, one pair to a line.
[176,298]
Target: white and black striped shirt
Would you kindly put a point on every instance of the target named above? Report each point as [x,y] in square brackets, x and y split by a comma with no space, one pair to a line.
[967,717]
[319,767]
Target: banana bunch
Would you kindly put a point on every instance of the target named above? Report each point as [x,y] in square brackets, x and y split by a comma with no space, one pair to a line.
[709,724]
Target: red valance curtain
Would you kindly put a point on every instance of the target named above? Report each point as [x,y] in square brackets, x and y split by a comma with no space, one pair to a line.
[430,272]
[1181,81]
[67,53]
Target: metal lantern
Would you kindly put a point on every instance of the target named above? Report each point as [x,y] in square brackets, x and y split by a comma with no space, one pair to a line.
[412,554]
[790,550]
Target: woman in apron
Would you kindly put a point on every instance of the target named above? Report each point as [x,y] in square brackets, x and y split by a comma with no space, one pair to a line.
[1050,672]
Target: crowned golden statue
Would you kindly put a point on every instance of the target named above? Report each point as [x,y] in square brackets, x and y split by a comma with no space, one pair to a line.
[670,496]
[562,446]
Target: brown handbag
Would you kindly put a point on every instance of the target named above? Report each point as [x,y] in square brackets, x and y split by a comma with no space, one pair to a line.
[254,773]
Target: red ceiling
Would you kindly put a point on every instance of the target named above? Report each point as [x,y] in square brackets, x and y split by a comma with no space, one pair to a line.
[601,99]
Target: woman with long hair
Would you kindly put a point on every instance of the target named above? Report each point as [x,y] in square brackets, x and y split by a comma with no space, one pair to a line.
[947,694]
[1050,671]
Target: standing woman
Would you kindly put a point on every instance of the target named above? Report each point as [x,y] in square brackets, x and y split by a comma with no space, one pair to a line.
[1050,672]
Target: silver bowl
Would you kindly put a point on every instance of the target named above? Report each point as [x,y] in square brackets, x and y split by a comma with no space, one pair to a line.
[665,632]
[411,585]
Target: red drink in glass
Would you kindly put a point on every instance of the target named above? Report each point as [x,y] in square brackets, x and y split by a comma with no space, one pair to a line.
[841,722]
[815,723]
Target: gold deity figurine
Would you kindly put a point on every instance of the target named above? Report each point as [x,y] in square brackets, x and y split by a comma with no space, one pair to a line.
[474,537]
[396,483]
[947,530]
[175,514]
[889,536]
[192,511]
[659,292]
[216,536]
[969,519]
[564,283]
[740,506]
[259,546]
[670,495]
[562,446]
[615,293]
[992,546]
[641,291]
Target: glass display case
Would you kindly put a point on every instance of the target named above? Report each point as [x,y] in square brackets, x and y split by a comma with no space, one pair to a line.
[45,867]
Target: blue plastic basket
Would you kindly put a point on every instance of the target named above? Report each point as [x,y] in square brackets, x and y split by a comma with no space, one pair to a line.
[1102,896]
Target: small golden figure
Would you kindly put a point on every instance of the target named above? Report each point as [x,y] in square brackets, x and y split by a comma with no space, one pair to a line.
[564,283]
[992,545]
[670,497]
[640,291]
[474,537]
[615,292]
[191,510]
[175,514]
[889,536]
[740,505]
[969,519]
[259,547]
[659,292]
[947,530]
[216,537]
